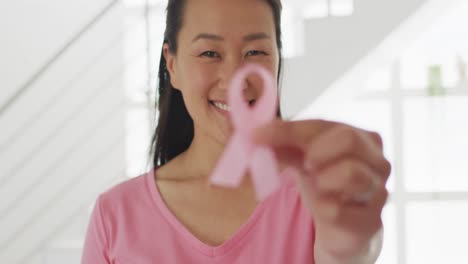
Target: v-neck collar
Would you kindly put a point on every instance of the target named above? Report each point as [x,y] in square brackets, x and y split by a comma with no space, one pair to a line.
[212,251]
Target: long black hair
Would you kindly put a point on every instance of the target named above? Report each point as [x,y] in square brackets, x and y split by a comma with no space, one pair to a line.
[174,132]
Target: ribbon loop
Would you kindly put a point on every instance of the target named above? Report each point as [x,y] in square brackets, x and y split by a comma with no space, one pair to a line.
[265,107]
[241,152]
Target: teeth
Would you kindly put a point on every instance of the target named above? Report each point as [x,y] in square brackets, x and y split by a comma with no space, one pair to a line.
[221,106]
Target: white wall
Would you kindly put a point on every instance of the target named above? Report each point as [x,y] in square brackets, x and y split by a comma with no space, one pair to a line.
[62,141]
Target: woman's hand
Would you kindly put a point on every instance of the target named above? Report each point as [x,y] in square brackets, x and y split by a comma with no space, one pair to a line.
[341,177]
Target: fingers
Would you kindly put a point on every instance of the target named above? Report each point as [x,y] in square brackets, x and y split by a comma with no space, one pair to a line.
[351,216]
[331,191]
[294,134]
[339,184]
[322,142]
[345,141]
[377,139]
[336,161]
[346,179]
[290,156]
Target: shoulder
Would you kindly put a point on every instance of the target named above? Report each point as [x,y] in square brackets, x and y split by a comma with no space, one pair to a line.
[124,194]
[115,211]
[126,188]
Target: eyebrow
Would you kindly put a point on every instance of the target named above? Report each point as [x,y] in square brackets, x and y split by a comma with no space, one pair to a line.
[248,38]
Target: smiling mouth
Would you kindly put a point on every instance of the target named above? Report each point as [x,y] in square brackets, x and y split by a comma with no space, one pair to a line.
[226,107]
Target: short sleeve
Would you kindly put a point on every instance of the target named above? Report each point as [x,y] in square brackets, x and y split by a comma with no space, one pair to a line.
[96,246]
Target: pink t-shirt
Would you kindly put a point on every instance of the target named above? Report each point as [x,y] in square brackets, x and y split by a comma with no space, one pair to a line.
[131,224]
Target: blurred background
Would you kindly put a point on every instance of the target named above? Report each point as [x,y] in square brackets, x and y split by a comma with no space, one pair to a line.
[77,96]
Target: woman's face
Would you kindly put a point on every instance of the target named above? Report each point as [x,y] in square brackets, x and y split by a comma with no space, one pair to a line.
[218,37]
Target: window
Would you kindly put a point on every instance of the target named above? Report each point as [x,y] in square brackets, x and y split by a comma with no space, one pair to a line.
[426,139]
[297,12]
[327,8]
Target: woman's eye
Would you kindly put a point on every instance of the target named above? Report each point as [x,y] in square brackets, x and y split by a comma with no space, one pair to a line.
[210,54]
[256,53]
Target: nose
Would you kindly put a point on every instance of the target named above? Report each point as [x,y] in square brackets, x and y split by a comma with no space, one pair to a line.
[226,73]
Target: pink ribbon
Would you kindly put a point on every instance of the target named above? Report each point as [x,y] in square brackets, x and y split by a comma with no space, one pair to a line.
[241,153]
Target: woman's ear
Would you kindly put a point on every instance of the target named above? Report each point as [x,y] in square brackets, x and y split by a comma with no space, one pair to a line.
[170,65]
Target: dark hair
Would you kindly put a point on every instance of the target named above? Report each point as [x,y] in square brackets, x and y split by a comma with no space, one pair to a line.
[174,132]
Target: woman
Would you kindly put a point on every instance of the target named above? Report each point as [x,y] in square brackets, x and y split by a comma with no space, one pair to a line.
[328,212]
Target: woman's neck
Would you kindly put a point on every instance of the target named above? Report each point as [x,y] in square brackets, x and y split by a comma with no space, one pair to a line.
[202,155]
